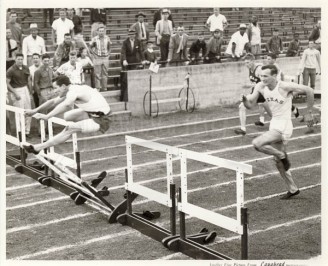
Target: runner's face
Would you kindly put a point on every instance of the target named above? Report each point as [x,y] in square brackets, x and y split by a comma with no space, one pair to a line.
[267,78]
[62,90]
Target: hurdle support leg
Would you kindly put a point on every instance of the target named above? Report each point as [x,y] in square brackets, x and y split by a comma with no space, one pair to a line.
[244,236]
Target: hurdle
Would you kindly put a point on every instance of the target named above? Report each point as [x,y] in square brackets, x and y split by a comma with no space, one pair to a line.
[61,178]
[191,245]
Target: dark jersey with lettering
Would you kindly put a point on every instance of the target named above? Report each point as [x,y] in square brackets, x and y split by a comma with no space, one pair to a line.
[252,77]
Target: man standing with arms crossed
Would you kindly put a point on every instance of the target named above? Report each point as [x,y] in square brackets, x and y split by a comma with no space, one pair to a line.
[279,95]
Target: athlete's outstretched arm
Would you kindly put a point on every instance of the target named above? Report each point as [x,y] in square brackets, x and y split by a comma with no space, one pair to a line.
[251,99]
[45,106]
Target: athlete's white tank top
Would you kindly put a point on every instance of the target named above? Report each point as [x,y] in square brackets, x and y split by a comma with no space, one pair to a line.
[97,102]
[279,105]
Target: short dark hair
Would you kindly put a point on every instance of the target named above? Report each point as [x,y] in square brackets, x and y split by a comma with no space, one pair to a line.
[45,56]
[36,55]
[249,56]
[273,69]
[67,34]
[63,80]
[13,12]
[62,9]
[272,55]
[73,53]
[19,55]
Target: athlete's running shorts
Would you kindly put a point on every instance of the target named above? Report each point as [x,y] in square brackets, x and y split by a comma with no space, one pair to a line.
[283,127]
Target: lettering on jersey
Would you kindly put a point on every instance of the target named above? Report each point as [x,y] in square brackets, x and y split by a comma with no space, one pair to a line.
[271,99]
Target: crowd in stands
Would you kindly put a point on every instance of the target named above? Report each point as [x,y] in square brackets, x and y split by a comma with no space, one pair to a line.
[30,70]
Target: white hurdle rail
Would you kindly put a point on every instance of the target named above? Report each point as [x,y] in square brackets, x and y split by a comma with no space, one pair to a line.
[204,214]
[20,123]
[164,199]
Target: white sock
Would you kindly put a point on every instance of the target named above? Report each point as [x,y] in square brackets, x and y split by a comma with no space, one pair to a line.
[262,119]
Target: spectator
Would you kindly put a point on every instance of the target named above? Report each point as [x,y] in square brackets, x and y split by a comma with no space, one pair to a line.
[35,65]
[130,52]
[216,21]
[310,65]
[237,43]
[158,15]
[196,47]
[150,56]
[26,13]
[178,49]
[62,53]
[163,31]
[87,65]
[254,36]
[19,84]
[33,44]
[43,77]
[11,49]
[16,30]
[77,21]
[293,46]
[72,69]
[45,16]
[213,51]
[101,47]
[142,30]
[98,17]
[60,27]
[315,35]
[274,44]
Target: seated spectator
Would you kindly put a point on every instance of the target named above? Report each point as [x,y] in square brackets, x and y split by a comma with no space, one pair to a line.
[131,54]
[77,21]
[72,69]
[149,54]
[87,66]
[237,43]
[178,47]
[196,47]
[16,29]
[213,51]
[274,44]
[216,21]
[293,46]
[142,30]
[61,27]
[98,17]
[100,47]
[62,53]
[33,44]
[11,49]
[315,36]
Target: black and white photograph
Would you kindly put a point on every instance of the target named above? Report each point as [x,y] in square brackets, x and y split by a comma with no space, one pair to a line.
[164,133]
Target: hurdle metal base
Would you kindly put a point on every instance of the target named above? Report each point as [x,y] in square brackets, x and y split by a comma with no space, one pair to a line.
[144,226]
[195,250]
[60,185]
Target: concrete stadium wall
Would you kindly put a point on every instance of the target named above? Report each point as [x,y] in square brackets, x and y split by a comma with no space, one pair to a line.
[213,85]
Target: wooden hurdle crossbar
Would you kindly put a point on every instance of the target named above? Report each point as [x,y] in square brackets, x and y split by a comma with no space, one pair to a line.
[169,238]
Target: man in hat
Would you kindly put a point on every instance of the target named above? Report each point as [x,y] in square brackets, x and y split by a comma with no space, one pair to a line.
[33,44]
[213,51]
[164,31]
[237,43]
[274,44]
[142,30]
[158,16]
[100,48]
[216,21]
[178,49]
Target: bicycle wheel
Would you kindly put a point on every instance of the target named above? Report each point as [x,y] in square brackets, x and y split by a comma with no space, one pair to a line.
[187,100]
[154,104]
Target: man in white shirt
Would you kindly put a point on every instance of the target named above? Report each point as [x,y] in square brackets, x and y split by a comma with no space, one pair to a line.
[61,26]
[254,35]
[216,21]
[33,44]
[72,69]
[236,46]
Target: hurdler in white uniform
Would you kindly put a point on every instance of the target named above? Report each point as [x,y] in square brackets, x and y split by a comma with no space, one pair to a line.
[278,95]
[90,116]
